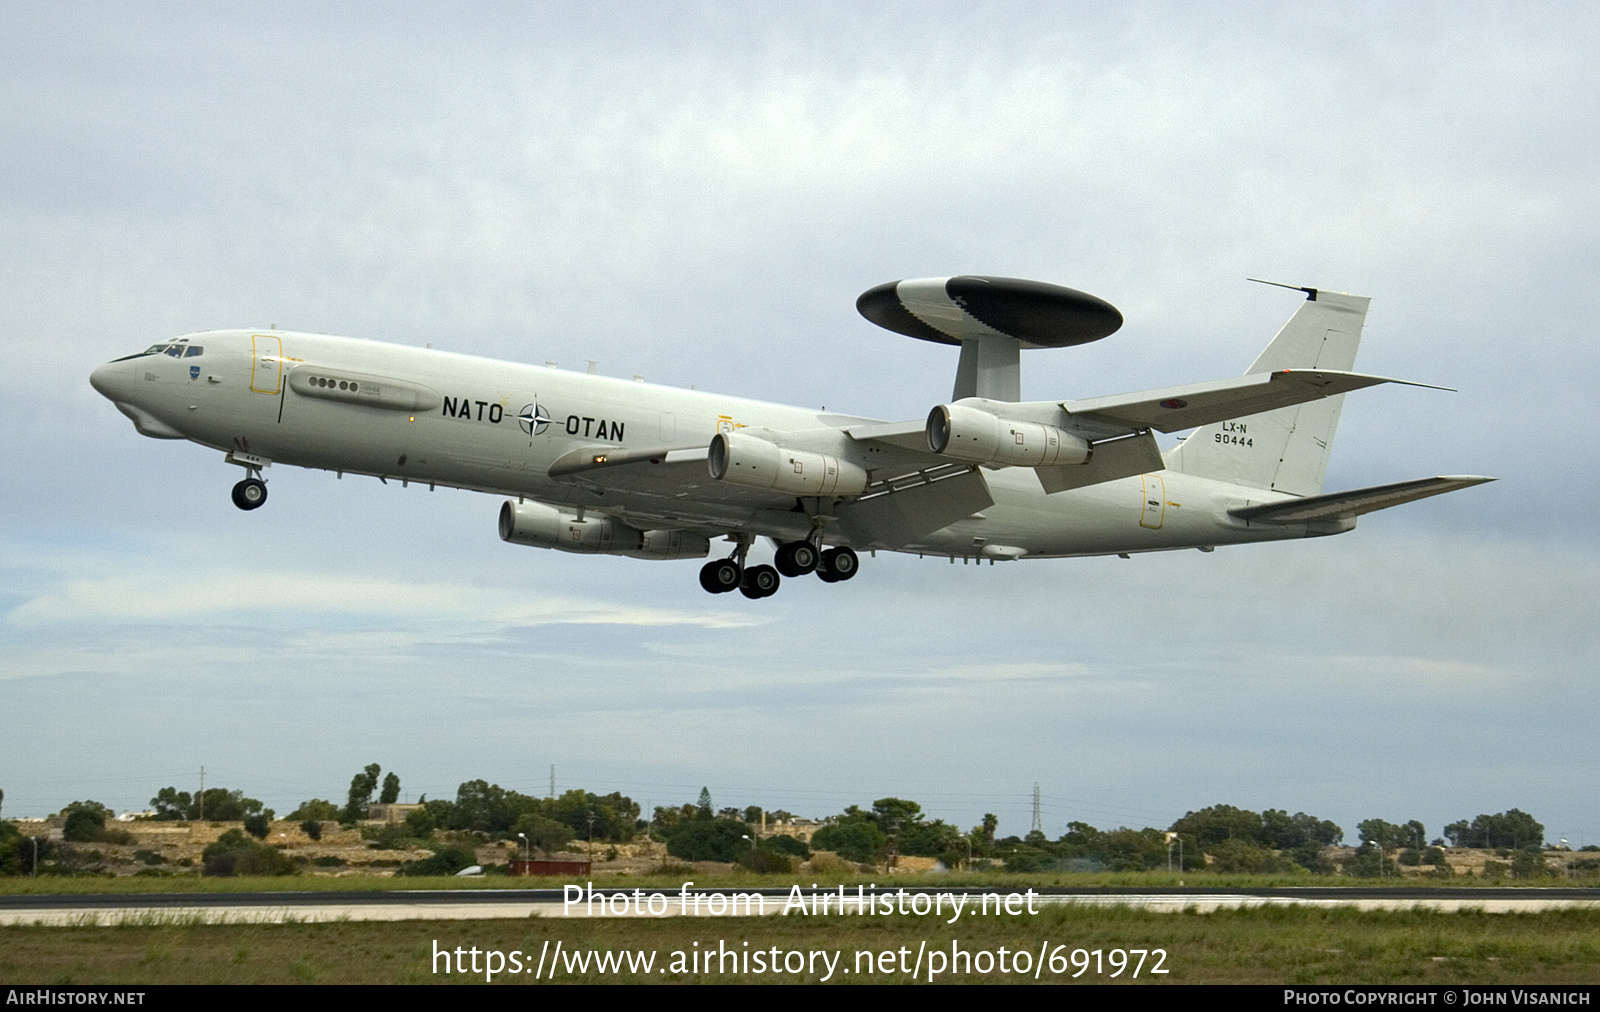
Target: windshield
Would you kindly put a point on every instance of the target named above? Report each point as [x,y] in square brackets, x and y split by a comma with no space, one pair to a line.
[175,350]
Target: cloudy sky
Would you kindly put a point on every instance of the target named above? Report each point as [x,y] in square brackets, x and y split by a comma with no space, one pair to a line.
[697,193]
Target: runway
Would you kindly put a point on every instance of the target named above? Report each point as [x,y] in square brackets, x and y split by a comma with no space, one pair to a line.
[487,904]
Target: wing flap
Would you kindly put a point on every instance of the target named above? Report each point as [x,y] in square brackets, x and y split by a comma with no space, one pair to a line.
[901,516]
[1354,502]
[1113,459]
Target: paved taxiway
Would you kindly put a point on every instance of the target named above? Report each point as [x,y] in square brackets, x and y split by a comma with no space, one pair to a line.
[485,904]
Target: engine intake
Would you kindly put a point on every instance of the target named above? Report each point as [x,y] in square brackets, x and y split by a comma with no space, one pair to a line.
[968,433]
[756,463]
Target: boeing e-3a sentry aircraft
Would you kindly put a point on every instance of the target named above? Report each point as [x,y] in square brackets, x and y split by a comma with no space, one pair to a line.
[597,465]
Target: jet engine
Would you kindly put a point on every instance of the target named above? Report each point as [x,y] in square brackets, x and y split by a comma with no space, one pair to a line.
[534,523]
[756,463]
[968,433]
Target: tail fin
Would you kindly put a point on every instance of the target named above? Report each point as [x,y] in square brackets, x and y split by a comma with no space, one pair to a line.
[1284,450]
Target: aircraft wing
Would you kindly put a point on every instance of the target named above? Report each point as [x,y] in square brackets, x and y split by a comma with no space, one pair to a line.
[1184,407]
[1354,502]
[675,475]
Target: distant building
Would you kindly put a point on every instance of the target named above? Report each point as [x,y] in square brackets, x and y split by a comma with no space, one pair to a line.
[135,816]
[390,813]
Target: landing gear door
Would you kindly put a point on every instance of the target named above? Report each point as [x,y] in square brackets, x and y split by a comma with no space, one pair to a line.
[266,368]
[1154,509]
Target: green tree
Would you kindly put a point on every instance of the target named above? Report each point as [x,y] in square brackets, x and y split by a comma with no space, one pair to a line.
[1514,828]
[1412,835]
[171,804]
[1211,826]
[486,808]
[612,817]
[391,790]
[361,787]
[859,841]
[312,828]
[1282,831]
[704,805]
[544,834]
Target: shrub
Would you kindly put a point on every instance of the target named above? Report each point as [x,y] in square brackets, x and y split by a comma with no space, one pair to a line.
[236,854]
[149,857]
[445,861]
[767,862]
[84,825]
[1529,863]
[312,828]
[328,861]
[791,845]
[708,840]
[257,825]
[315,810]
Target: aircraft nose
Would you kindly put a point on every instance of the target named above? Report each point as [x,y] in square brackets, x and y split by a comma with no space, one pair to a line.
[112,379]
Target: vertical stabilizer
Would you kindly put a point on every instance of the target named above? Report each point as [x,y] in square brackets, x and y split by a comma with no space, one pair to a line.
[1285,450]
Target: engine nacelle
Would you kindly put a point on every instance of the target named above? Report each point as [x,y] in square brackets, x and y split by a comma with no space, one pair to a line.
[534,523]
[968,433]
[668,545]
[756,463]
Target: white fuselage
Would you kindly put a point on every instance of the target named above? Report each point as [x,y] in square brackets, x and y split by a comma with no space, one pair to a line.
[500,425]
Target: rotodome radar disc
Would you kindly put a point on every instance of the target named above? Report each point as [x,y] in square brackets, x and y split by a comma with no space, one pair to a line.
[969,306]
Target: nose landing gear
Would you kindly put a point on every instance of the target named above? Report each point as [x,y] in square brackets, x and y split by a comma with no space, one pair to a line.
[250,494]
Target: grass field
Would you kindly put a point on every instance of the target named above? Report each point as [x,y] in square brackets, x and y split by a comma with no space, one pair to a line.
[79,885]
[1268,945]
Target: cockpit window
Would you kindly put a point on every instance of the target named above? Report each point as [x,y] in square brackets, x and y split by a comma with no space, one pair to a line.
[175,350]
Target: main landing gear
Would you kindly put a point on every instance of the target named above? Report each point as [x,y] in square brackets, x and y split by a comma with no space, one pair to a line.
[796,558]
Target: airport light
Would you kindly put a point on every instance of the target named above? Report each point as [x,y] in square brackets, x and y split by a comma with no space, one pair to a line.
[527,848]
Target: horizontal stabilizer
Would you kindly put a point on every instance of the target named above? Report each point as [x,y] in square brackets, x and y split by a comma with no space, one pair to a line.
[1354,502]
[1185,407]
